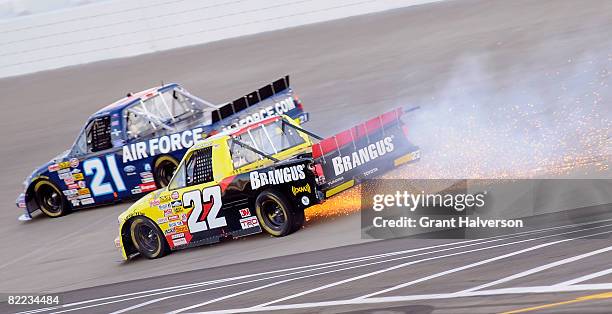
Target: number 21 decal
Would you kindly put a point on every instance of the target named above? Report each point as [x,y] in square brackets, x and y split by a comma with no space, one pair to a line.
[95,167]
[197,198]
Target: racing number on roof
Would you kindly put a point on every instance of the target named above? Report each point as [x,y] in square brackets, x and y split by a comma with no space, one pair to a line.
[200,220]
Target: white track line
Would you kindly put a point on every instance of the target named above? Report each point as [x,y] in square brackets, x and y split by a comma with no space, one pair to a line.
[308,269]
[585,278]
[475,264]
[519,290]
[539,269]
[148,293]
[337,283]
[377,272]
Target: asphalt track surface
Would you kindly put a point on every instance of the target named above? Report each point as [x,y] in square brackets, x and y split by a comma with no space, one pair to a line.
[344,71]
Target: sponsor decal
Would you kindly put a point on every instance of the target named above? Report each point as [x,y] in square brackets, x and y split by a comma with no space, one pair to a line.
[165,206]
[147,167]
[164,198]
[64,175]
[175,223]
[167,212]
[169,231]
[370,172]
[73,186]
[84,191]
[87,201]
[82,184]
[153,203]
[78,176]
[305,200]
[75,202]
[70,192]
[175,195]
[136,190]
[174,217]
[147,180]
[249,222]
[129,169]
[363,155]
[53,167]
[177,210]
[74,162]
[84,196]
[161,145]
[184,217]
[77,170]
[133,214]
[180,241]
[72,197]
[162,220]
[300,189]
[177,204]
[278,108]
[65,164]
[146,175]
[69,180]
[245,212]
[182,228]
[146,187]
[178,235]
[277,176]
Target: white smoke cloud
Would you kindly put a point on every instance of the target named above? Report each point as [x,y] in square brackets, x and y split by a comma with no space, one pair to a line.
[519,121]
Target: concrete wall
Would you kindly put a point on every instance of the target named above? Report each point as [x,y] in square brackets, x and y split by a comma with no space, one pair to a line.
[121,28]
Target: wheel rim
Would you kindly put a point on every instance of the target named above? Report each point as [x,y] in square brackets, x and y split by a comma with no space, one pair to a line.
[165,172]
[147,238]
[273,213]
[51,200]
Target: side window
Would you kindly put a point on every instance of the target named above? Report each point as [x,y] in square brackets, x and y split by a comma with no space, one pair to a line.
[98,135]
[199,167]
[242,156]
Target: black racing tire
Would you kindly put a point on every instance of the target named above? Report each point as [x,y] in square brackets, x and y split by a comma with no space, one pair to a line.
[277,216]
[147,238]
[163,170]
[50,199]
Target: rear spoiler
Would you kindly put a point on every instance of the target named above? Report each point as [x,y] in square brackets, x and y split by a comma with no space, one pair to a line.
[251,99]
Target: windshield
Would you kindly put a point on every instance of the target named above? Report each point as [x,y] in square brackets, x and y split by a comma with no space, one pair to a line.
[266,139]
[167,112]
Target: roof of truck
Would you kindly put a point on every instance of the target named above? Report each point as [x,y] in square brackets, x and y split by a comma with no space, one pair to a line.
[134,98]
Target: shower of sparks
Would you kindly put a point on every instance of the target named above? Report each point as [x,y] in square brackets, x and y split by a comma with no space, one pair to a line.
[568,134]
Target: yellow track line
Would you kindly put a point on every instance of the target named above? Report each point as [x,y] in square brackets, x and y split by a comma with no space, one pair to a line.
[599,296]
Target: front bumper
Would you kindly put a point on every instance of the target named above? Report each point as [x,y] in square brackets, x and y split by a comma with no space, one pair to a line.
[119,245]
[21,203]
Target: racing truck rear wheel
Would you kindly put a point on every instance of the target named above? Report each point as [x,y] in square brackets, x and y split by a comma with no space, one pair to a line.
[164,169]
[50,200]
[147,238]
[277,216]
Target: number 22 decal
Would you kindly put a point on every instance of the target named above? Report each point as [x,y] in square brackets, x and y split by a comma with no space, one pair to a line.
[95,167]
[197,198]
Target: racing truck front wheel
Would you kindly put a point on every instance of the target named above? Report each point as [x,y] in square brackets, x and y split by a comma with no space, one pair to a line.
[164,169]
[147,238]
[50,199]
[277,216]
